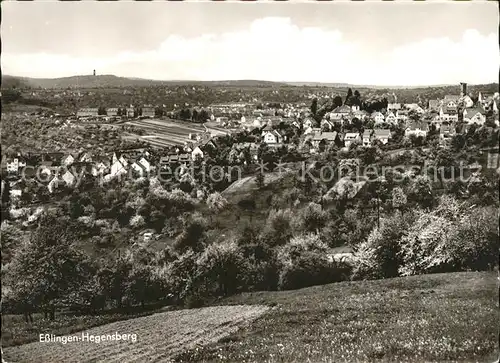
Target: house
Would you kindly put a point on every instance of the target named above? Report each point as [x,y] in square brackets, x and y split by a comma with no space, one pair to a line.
[222,119]
[197,153]
[270,136]
[85,157]
[414,107]
[446,133]
[87,112]
[383,135]
[118,167]
[474,116]
[341,113]
[100,165]
[46,168]
[367,138]
[112,111]
[16,190]
[391,118]
[394,107]
[467,101]
[402,115]
[417,128]
[378,117]
[326,137]
[451,101]
[351,137]
[448,114]
[148,111]
[184,158]
[69,178]
[68,159]
[360,115]
[13,165]
[130,112]
[326,125]
[307,123]
[55,182]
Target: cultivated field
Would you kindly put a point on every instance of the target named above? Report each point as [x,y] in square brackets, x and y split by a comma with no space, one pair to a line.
[160,337]
[165,133]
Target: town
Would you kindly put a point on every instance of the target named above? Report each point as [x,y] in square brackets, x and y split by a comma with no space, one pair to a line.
[246,130]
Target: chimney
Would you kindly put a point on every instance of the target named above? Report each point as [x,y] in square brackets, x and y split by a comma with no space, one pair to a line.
[464,88]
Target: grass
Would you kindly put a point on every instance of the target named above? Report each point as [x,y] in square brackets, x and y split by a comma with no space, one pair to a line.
[441,317]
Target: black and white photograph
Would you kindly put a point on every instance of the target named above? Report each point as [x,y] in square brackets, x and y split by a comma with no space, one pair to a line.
[250,181]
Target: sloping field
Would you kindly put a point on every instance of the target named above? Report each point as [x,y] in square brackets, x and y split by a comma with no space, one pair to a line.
[249,183]
[451,317]
[159,337]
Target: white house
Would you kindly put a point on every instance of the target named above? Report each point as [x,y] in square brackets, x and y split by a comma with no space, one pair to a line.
[382,134]
[118,168]
[14,164]
[391,118]
[451,101]
[474,116]
[417,129]
[378,117]
[197,153]
[351,137]
[340,113]
[68,160]
[367,138]
[69,178]
[446,133]
[270,136]
[54,183]
[394,107]
[448,114]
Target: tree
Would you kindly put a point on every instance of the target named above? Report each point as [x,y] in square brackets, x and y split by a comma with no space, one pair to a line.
[420,191]
[193,234]
[337,101]
[314,106]
[216,203]
[348,97]
[399,199]
[5,200]
[259,179]
[48,268]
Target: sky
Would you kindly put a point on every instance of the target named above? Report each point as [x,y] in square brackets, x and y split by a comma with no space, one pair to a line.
[364,43]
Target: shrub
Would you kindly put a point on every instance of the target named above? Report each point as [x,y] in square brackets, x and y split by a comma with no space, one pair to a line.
[277,230]
[304,262]
[219,268]
[260,269]
[379,255]
[450,238]
[193,234]
[137,221]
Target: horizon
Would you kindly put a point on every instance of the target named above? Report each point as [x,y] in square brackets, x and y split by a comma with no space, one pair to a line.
[295,43]
[323,84]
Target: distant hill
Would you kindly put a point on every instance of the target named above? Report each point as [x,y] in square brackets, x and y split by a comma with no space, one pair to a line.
[111,81]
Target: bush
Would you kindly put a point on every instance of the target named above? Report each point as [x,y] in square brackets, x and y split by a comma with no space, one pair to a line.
[218,269]
[450,238]
[379,255]
[278,229]
[260,269]
[304,262]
